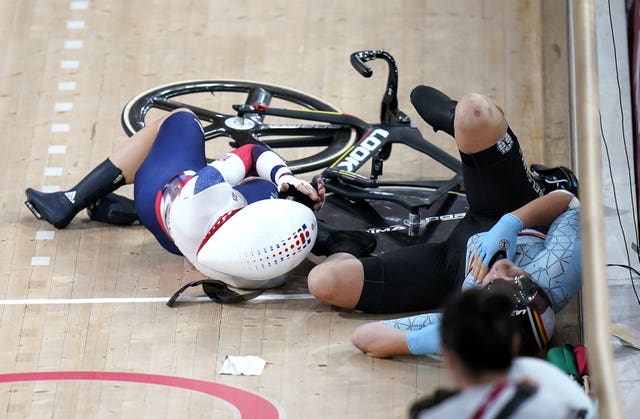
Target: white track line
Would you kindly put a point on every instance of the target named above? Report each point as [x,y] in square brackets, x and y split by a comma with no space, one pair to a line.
[75,24]
[127,300]
[73,44]
[57,149]
[79,5]
[63,106]
[69,64]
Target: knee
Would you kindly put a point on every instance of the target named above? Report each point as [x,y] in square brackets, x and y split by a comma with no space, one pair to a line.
[177,113]
[337,282]
[474,112]
[322,282]
[174,114]
[182,110]
[479,123]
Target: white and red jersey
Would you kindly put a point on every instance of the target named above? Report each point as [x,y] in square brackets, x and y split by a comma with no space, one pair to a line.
[191,203]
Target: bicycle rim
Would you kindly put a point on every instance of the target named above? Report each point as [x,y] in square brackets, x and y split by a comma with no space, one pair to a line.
[305,145]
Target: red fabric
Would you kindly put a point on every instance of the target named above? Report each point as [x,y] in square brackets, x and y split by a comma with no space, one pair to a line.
[480,411]
[580,353]
[245,153]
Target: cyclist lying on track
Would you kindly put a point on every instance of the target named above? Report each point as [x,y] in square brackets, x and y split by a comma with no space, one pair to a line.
[178,196]
[507,217]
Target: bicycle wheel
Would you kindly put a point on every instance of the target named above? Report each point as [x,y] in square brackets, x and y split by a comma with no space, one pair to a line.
[306,146]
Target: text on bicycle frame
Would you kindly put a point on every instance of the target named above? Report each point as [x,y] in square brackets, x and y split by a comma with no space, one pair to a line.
[363,150]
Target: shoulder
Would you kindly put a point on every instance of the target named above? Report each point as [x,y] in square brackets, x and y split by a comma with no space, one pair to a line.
[543,370]
[548,405]
[554,385]
[527,366]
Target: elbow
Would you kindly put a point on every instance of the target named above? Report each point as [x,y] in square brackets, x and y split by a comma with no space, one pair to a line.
[361,340]
[378,340]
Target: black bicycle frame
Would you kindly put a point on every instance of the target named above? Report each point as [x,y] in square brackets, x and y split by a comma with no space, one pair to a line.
[379,135]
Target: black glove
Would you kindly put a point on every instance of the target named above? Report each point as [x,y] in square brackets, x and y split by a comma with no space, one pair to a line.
[293,194]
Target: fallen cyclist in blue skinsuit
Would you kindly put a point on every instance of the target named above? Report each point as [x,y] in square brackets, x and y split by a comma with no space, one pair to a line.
[184,200]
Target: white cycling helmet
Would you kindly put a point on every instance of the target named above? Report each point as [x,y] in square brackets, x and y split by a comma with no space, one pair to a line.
[258,242]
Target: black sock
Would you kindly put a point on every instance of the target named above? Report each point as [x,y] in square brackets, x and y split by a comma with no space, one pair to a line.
[102,180]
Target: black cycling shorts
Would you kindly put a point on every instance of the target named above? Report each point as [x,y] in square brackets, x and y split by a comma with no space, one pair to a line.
[421,277]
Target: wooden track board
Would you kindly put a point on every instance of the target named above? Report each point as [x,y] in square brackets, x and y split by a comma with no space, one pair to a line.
[66,70]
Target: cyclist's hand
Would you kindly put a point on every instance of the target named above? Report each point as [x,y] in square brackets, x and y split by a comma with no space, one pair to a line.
[501,239]
[320,191]
[305,193]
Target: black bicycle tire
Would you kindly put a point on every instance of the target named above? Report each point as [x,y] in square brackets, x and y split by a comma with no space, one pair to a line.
[135,110]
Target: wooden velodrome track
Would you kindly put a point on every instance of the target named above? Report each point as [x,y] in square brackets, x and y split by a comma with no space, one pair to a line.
[67,68]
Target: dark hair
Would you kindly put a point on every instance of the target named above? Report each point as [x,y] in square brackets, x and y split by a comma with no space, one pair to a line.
[476,326]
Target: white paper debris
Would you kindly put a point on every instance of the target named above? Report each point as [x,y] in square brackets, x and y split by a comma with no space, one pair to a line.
[242,365]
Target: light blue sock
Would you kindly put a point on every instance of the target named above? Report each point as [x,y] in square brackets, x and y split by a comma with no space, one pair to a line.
[424,341]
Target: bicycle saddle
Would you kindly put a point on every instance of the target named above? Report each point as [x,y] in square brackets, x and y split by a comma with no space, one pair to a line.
[552,178]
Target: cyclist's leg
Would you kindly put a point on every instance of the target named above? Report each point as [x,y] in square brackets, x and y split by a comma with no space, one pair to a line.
[59,208]
[413,278]
[495,171]
[257,189]
[479,123]
[128,157]
[435,107]
[178,147]
[409,279]
[338,280]
[131,152]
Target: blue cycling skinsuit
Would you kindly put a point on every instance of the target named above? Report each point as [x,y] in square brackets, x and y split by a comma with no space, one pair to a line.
[553,261]
[178,195]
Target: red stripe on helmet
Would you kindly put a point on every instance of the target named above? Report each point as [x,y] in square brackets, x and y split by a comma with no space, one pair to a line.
[216,226]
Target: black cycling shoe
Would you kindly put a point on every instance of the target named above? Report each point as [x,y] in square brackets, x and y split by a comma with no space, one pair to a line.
[435,107]
[113,209]
[330,241]
[320,246]
[54,207]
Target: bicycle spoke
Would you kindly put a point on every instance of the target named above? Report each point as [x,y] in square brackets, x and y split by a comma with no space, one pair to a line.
[319,143]
[214,131]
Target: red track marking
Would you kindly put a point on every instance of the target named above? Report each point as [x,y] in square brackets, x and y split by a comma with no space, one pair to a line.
[250,405]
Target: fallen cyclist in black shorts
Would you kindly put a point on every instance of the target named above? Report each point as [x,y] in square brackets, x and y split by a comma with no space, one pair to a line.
[505,200]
